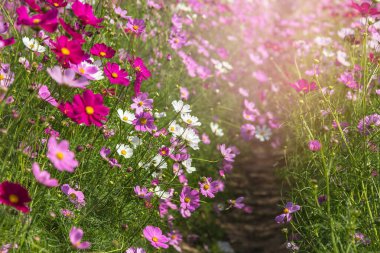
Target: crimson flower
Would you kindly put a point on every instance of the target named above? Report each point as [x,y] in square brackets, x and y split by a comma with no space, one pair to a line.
[85,13]
[46,21]
[13,194]
[68,50]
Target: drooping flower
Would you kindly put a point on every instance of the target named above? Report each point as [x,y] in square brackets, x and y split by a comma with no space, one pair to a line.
[189,201]
[144,122]
[227,153]
[87,109]
[142,102]
[103,51]
[286,216]
[6,42]
[124,150]
[75,197]
[43,177]
[85,14]
[142,73]
[67,77]
[13,194]
[44,94]
[68,51]
[60,155]
[135,26]
[104,153]
[115,74]
[155,237]
[303,85]
[175,239]
[46,21]
[76,235]
[314,145]
[237,203]
[71,31]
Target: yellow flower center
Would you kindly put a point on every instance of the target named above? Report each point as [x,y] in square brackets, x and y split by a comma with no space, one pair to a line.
[286,210]
[135,27]
[187,200]
[102,54]
[140,103]
[81,70]
[2,77]
[59,155]
[125,118]
[143,121]
[172,129]
[73,196]
[189,121]
[13,198]
[65,51]
[89,110]
[206,187]
[174,237]
[56,4]
[163,152]
[114,75]
[138,68]
[36,21]
[155,239]
[123,152]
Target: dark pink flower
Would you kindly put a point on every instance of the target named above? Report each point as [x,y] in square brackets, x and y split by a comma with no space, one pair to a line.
[57,3]
[76,235]
[156,238]
[102,50]
[189,201]
[115,74]
[303,85]
[13,194]
[68,50]
[85,13]
[6,42]
[315,145]
[46,21]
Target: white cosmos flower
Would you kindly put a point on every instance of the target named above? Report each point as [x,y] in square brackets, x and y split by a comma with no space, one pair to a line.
[160,193]
[124,150]
[191,138]
[263,133]
[33,45]
[190,120]
[175,129]
[126,116]
[159,162]
[160,115]
[322,41]
[216,129]
[342,58]
[187,164]
[344,32]
[135,141]
[181,107]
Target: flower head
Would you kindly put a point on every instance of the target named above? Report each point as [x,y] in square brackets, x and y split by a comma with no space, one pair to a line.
[155,237]
[189,201]
[135,26]
[115,74]
[43,177]
[75,197]
[142,102]
[46,21]
[303,85]
[68,51]
[13,194]
[60,155]
[67,77]
[315,145]
[144,122]
[76,235]
[85,14]
[103,51]
[286,216]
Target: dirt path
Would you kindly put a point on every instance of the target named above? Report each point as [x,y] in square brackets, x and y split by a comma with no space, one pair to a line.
[255,179]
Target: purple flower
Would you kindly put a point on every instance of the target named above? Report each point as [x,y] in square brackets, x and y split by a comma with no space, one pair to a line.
[237,203]
[60,155]
[43,177]
[104,153]
[135,26]
[208,187]
[286,216]
[247,131]
[348,79]
[156,238]
[227,153]
[189,201]
[76,235]
[141,102]
[142,192]
[175,240]
[369,124]
[361,238]
[144,122]
[315,145]
[76,197]
[67,77]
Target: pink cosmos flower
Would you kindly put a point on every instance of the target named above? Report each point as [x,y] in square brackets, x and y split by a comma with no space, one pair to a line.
[144,122]
[87,109]
[104,153]
[13,194]
[247,131]
[59,154]
[43,177]
[102,50]
[348,79]
[189,201]
[175,239]
[315,145]
[205,139]
[122,13]
[88,70]
[76,235]
[237,203]
[227,152]
[115,74]
[57,3]
[142,192]
[365,8]
[85,14]
[208,187]
[287,213]
[155,237]
[303,85]
[6,42]
[75,197]
[142,102]
[71,31]
[142,73]
[46,21]
[135,26]
[44,94]
[135,250]
[68,50]
[67,77]
[184,93]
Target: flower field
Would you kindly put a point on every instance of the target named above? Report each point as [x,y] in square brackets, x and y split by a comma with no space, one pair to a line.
[125,125]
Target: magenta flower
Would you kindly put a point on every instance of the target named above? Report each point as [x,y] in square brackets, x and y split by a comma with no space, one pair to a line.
[142,102]
[365,8]
[60,155]
[75,197]
[57,3]
[46,21]
[135,26]
[43,177]
[115,74]
[287,213]
[348,79]
[156,238]
[315,145]
[88,109]
[189,201]
[303,85]
[68,51]
[13,194]
[67,77]
[76,235]
[85,14]
[71,31]
[102,50]
[164,151]
[144,122]
[247,131]
[143,193]
[104,153]
[208,187]
[142,72]
[6,42]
